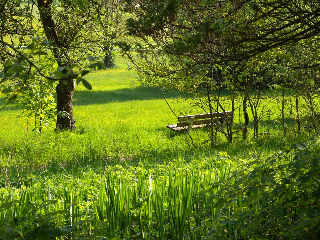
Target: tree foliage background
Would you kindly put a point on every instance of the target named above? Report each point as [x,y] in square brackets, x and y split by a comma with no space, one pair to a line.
[68,36]
[237,46]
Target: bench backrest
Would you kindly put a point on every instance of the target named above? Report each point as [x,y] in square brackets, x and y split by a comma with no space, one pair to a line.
[204,119]
[226,115]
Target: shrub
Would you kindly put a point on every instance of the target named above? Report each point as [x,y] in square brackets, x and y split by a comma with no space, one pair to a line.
[277,199]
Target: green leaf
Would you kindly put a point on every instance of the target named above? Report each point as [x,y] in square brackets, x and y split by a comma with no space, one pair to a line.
[93,65]
[79,3]
[86,84]
[124,46]
[78,80]
[46,43]
[16,69]
[50,81]
[6,90]
[41,53]
[301,146]
[97,65]
[84,72]
[204,2]
[316,193]
[30,46]
[60,69]
[278,211]
[8,63]
[24,76]
[91,58]
[9,230]
[57,74]
[69,229]
[48,233]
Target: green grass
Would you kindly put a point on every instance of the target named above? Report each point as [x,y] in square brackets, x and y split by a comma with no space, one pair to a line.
[123,174]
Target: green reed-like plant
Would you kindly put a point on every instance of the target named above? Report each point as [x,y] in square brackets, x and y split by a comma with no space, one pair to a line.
[152,206]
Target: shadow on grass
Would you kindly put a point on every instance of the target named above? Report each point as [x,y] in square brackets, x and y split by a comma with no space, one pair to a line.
[121,95]
[154,159]
[126,94]
[9,107]
[270,136]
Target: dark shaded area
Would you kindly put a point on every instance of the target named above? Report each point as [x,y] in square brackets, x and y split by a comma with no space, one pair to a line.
[151,158]
[121,95]
[267,129]
[9,107]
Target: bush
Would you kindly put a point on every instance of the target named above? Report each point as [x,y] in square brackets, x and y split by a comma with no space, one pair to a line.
[278,199]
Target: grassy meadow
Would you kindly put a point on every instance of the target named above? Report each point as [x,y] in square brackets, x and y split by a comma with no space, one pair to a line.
[123,175]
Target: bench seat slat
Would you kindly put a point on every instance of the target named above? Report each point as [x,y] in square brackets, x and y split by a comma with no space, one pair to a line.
[179,128]
[198,122]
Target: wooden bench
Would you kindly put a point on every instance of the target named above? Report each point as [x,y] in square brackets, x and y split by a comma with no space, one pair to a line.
[200,120]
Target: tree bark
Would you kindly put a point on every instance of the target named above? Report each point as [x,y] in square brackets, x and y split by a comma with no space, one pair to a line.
[298,114]
[64,105]
[65,87]
[230,133]
[212,140]
[282,113]
[246,117]
[244,106]
[50,28]
[311,106]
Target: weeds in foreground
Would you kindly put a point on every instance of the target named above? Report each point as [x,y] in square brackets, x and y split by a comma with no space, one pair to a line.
[275,197]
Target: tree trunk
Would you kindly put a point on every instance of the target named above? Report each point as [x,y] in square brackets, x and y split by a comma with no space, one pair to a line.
[282,113]
[65,87]
[297,114]
[212,140]
[246,117]
[108,58]
[64,92]
[230,133]
[254,105]
[244,107]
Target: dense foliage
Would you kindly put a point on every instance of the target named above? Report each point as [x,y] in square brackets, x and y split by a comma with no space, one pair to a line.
[203,47]
[198,36]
